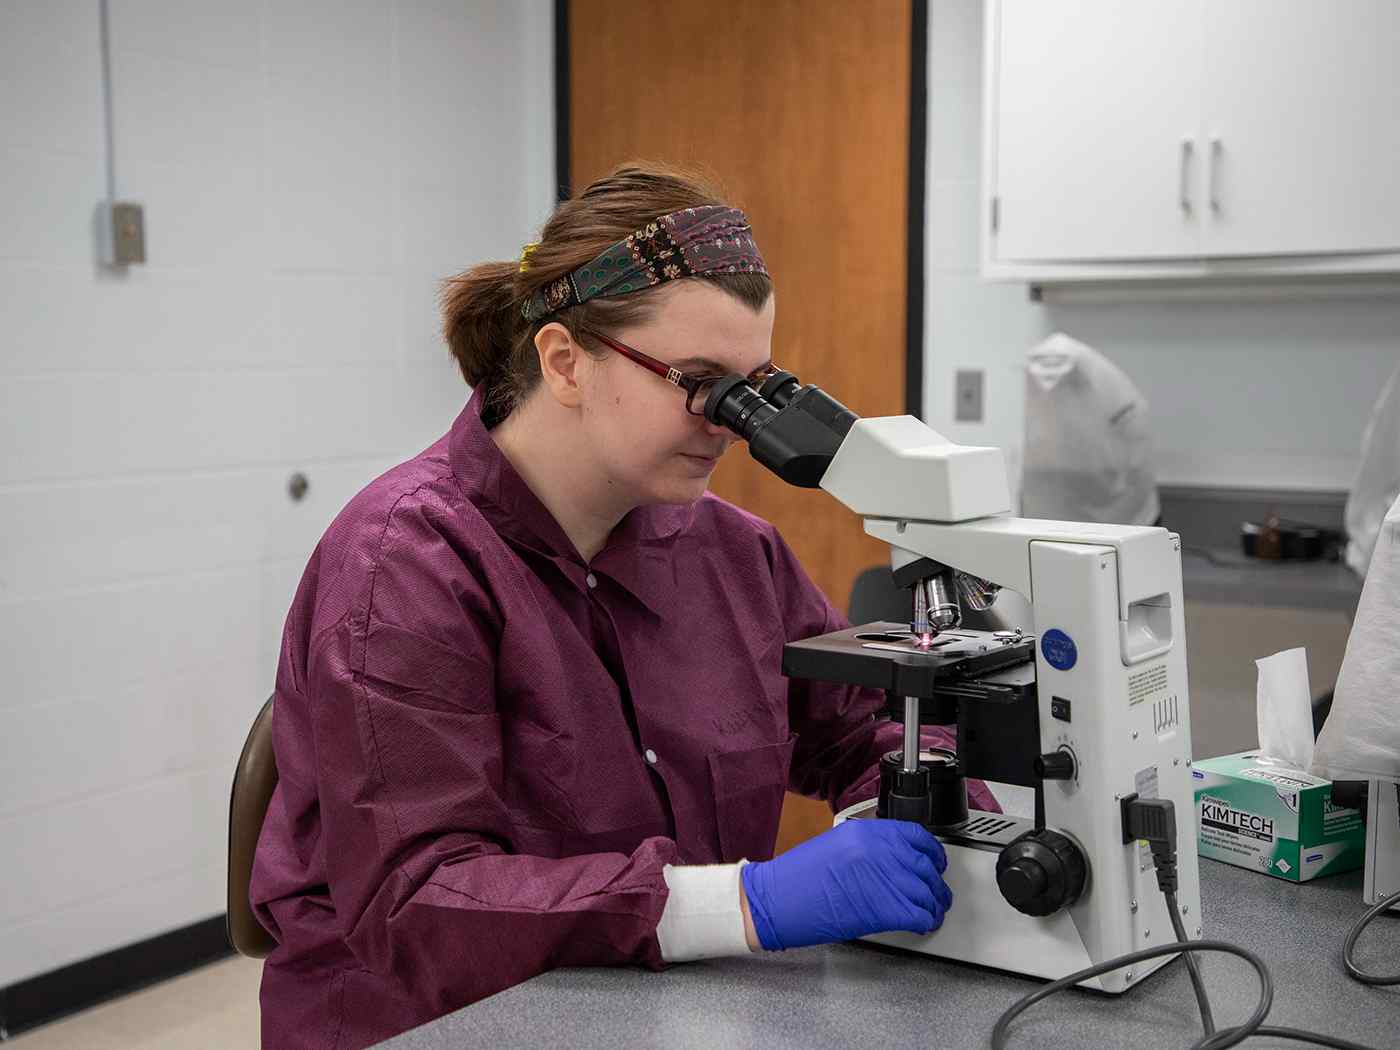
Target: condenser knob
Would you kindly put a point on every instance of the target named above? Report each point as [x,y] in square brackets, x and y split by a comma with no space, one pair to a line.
[1057,765]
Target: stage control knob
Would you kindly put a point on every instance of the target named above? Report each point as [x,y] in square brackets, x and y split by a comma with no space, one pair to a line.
[1057,765]
[1041,872]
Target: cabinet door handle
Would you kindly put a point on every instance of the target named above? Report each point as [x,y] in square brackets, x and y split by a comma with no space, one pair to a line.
[1184,181]
[1217,148]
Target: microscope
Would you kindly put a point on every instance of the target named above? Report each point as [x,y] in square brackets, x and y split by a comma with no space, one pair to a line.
[1087,705]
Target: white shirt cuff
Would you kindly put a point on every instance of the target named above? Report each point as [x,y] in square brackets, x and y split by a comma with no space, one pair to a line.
[702,918]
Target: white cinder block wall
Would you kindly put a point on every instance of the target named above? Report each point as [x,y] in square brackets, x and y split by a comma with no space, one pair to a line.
[309,170]
[1243,395]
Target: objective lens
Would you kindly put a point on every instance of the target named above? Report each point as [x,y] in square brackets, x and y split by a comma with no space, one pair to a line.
[977,593]
[943,610]
[935,606]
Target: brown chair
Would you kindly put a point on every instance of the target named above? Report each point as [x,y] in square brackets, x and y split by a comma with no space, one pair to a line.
[253,783]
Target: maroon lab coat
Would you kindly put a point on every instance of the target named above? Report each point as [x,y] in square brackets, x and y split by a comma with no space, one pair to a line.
[488,748]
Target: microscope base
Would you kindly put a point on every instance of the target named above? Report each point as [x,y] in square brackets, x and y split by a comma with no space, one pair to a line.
[982,928]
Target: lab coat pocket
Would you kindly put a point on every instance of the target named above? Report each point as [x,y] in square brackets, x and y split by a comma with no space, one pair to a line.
[749,786]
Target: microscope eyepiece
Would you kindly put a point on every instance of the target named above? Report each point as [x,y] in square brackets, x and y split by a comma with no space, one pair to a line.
[779,388]
[791,429]
[734,404]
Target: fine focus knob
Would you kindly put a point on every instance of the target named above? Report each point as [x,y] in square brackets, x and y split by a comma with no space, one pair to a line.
[1021,882]
[1057,765]
[1041,872]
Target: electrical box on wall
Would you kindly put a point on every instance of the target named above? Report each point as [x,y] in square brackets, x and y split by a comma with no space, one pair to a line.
[122,229]
[967,397]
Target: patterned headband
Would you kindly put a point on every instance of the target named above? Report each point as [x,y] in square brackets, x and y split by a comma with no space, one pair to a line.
[685,243]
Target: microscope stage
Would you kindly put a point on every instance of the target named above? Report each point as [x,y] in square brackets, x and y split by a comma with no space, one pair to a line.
[884,655]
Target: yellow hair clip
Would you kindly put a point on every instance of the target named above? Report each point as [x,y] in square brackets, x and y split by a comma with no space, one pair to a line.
[525,254]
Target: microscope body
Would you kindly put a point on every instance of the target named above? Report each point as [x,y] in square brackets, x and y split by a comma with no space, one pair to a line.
[1087,703]
[1088,706]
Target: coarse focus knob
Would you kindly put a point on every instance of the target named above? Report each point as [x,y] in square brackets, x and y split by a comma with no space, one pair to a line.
[1041,872]
[1057,765]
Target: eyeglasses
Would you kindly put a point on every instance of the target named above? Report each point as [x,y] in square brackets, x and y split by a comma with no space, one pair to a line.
[697,385]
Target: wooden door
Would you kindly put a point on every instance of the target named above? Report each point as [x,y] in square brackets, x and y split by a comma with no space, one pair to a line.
[801,109]
[1096,129]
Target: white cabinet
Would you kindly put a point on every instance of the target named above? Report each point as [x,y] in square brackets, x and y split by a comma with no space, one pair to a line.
[1191,137]
[1302,97]
[1088,143]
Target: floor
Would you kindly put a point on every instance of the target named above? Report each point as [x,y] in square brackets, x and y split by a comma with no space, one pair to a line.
[212,1008]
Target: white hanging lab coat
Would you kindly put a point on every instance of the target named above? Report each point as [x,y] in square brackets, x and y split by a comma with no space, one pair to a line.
[1361,737]
[1087,454]
[1378,479]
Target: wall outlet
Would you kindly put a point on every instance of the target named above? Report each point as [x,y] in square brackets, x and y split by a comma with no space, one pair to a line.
[122,229]
[967,396]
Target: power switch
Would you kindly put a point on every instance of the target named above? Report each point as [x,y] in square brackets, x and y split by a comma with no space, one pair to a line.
[1059,708]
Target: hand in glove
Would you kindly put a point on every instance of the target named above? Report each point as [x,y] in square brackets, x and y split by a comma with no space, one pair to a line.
[861,877]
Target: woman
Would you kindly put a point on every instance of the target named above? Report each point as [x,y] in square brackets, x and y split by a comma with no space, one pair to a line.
[529,709]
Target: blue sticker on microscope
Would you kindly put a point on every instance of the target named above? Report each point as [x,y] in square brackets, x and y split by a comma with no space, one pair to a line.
[1059,649]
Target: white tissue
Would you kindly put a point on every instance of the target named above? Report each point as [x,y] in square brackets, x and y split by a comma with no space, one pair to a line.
[1283,706]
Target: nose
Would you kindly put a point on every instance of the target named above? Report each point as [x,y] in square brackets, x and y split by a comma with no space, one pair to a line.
[714,430]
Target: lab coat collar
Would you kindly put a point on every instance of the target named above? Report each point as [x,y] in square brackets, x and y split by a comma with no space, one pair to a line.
[637,555]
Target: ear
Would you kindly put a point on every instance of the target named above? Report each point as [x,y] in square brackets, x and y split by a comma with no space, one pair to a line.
[561,363]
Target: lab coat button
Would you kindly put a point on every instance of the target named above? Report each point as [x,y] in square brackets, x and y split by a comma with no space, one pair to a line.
[651,756]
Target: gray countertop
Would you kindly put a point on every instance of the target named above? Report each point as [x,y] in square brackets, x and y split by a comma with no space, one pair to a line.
[853,995]
[1227,576]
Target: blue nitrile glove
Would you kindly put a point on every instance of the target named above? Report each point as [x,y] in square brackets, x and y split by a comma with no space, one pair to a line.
[863,876]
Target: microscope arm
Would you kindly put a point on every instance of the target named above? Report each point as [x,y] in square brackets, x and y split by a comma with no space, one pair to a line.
[929,497]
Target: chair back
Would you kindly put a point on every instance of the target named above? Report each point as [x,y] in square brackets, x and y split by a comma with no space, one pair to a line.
[253,784]
[874,596]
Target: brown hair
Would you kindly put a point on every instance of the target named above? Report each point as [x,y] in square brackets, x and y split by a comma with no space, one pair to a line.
[481,308]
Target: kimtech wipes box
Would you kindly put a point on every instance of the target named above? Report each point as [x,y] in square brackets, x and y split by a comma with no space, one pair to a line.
[1257,813]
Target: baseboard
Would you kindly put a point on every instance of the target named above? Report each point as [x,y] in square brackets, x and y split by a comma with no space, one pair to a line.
[49,996]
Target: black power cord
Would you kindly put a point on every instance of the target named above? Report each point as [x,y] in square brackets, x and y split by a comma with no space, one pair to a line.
[1353,934]
[1266,983]
[1193,968]
[1155,821]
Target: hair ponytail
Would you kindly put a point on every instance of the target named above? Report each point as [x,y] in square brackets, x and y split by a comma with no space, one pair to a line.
[481,320]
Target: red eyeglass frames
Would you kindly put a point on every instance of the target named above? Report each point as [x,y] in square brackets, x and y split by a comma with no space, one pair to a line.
[697,385]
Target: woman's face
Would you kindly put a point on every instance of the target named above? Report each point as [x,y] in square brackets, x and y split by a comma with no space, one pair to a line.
[649,447]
